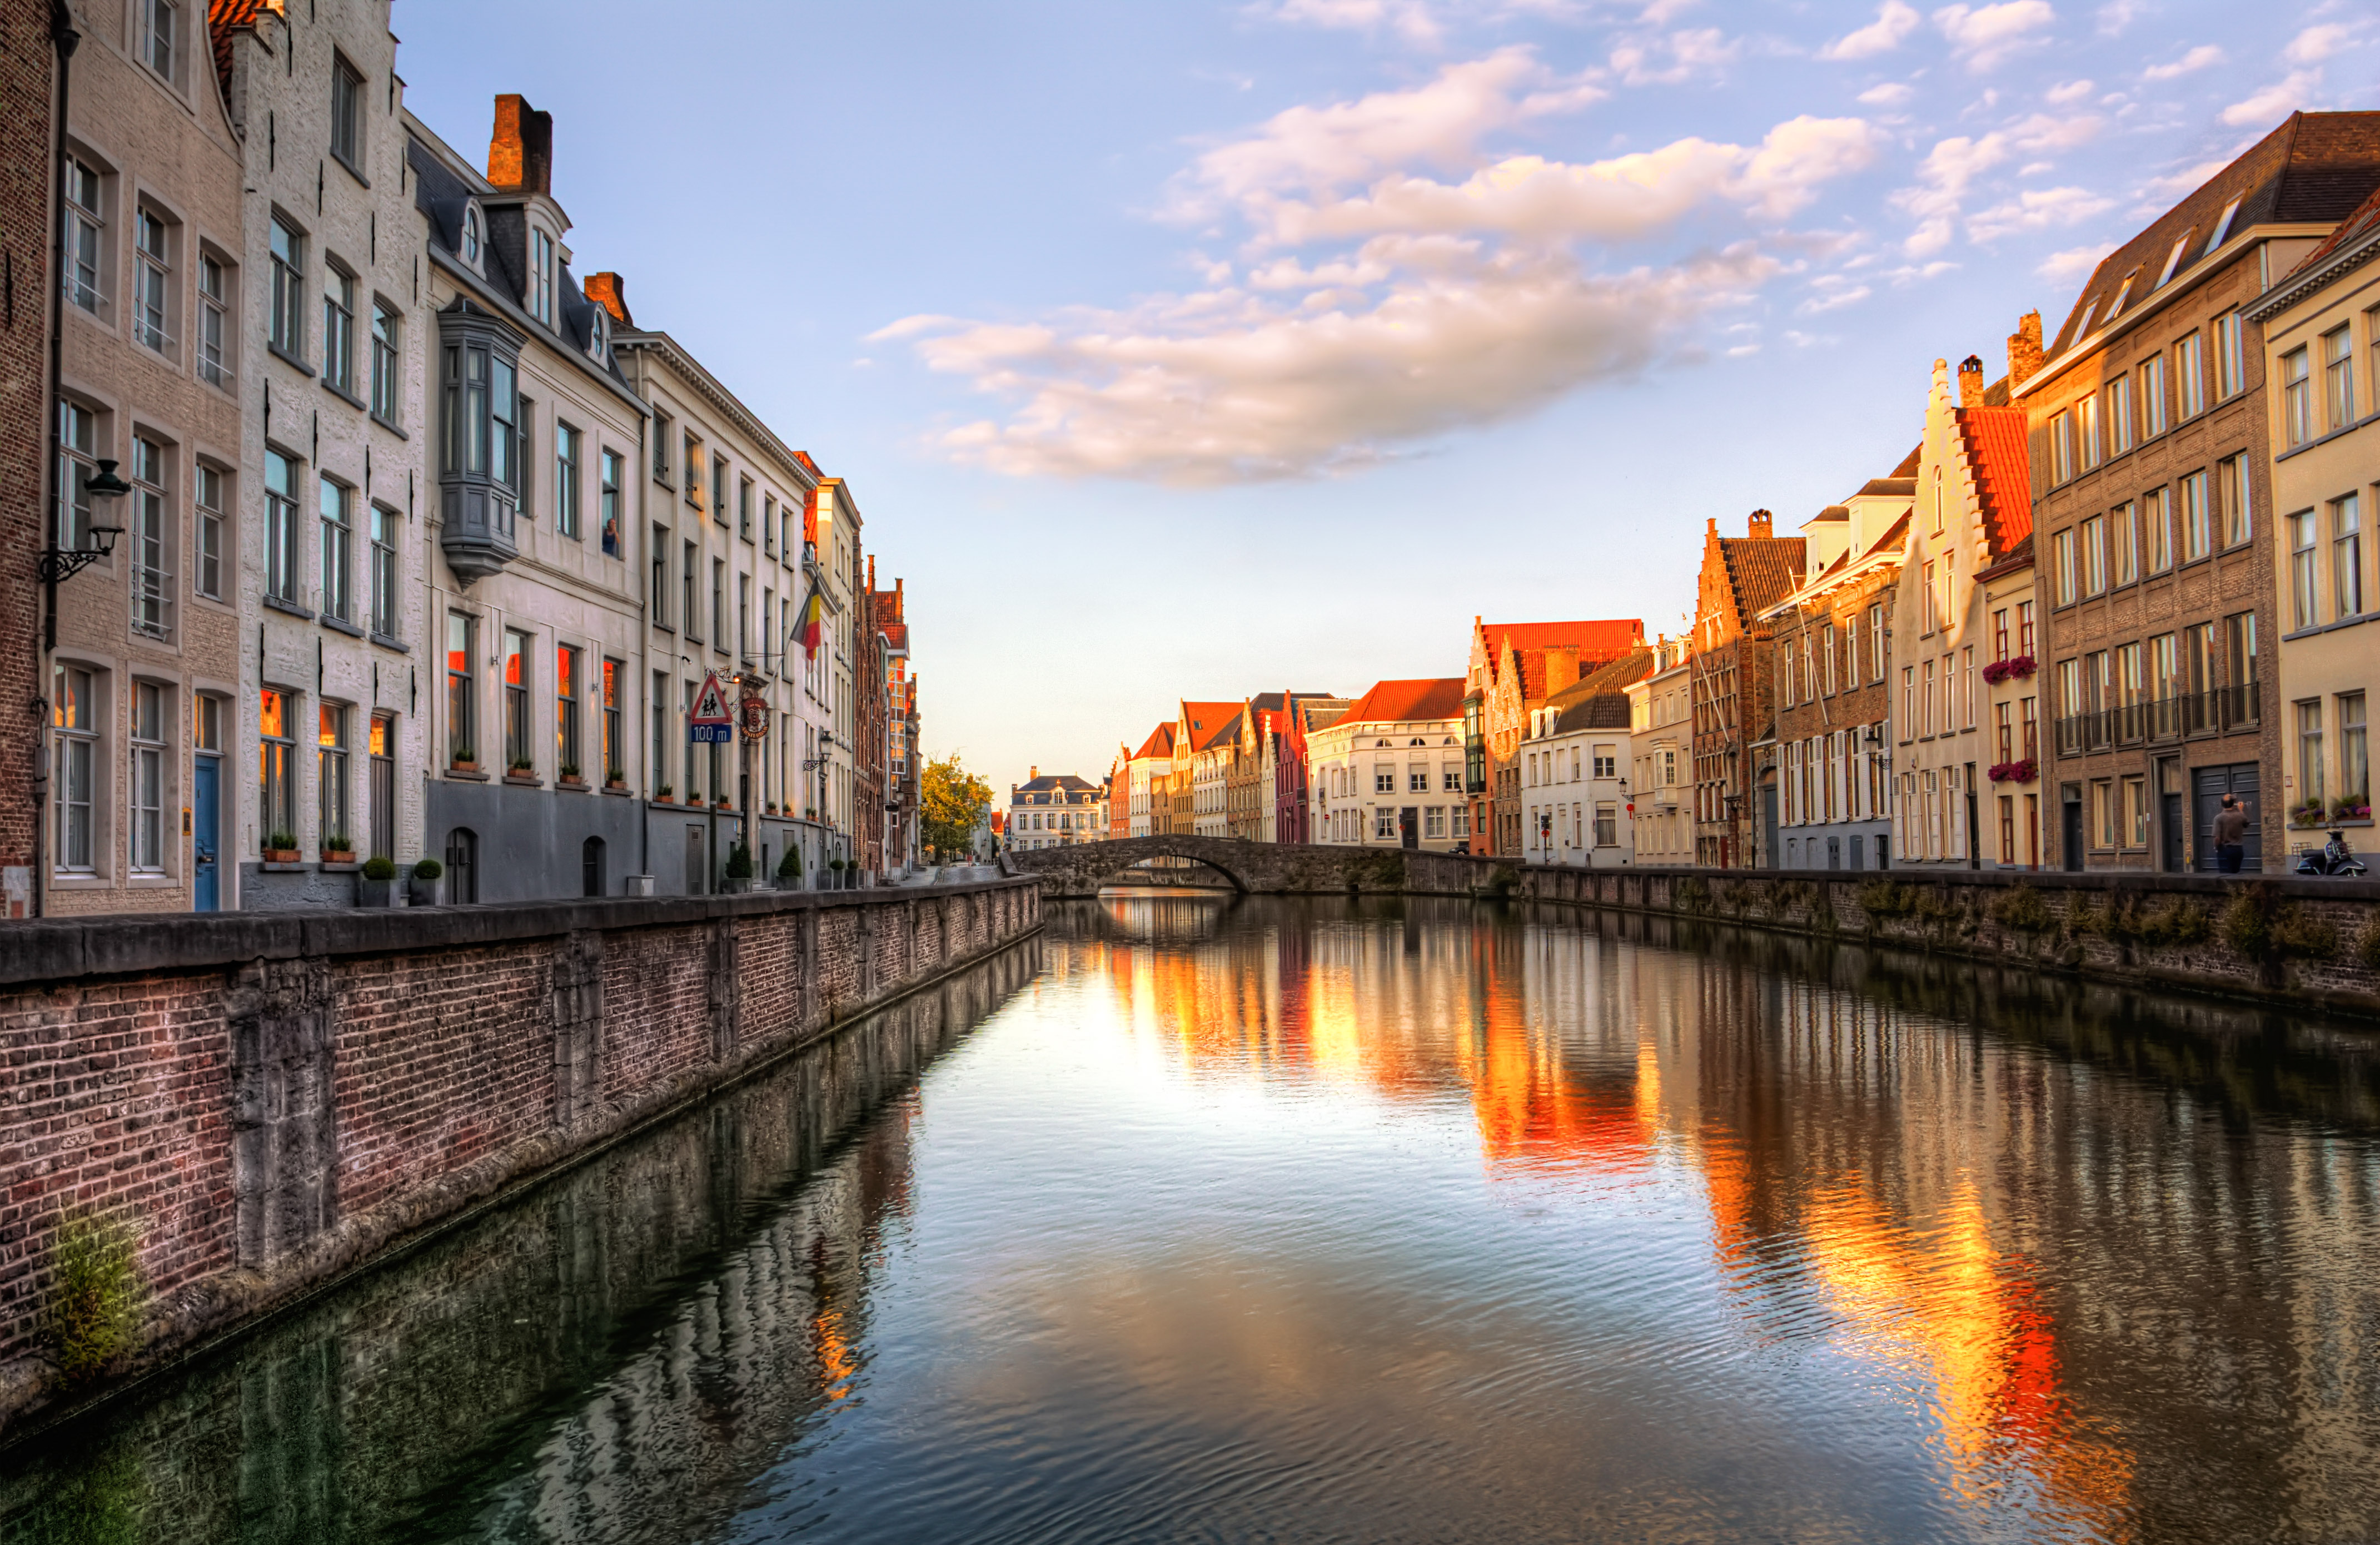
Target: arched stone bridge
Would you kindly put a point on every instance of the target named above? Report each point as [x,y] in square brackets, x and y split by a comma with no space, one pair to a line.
[1256,868]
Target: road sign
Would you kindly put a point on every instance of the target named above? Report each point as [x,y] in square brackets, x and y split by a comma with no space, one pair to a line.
[709,721]
[755,717]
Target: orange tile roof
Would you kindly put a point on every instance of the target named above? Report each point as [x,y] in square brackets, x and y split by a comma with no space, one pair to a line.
[1211,724]
[223,18]
[1606,639]
[1159,744]
[1409,700]
[1994,442]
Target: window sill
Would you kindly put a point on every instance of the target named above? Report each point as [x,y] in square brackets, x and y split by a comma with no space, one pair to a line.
[523,779]
[73,881]
[345,395]
[390,425]
[291,607]
[467,774]
[290,359]
[571,785]
[341,625]
[342,162]
[385,641]
[623,790]
[2327,436]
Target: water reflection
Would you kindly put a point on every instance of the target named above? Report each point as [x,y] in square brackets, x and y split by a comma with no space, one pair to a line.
[1374,1221]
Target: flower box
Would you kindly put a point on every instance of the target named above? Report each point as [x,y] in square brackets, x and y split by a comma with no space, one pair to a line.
[338,856]
[280,856]
[2023,772]
[462,765]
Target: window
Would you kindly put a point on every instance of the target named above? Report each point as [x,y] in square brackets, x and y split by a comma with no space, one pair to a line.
[2153,399]
[693,464]
[541,275]
[2190,377]
[659,586]
[161,36]
[1384,824]
[657,765]
[686,579]
[1607,761]
[214,321]
[462,698]
[211,528]
[1417,780]
[2346,556]
[152,525]
[616,755]
[2165,667]
[276,771]
[2125,538]
[1450,780]
[1433,821]
[718,489]
[281,536]
[2025,628]
[338,508]
[2354,759]
[2231,488]
[1875,663]
[615,473]
[2297,397]
[2070,688]
[743,508]
[2136,812]
[744,617]
[386,523]
[1461,820]
[86,237]
[384,358]
[2094,555]
[148,778]
[2239,647]
[330,780]
[2118,414]
[524,425]
[519,756]
[1384,779]
[2069,587]
[2337,377]
[719,604]
[78,443]
[285,323]
[663,439]
[346,112]
[567,444]
[1607,825]
[1925,724]
[2197,526]
[153,283]
[2231,365]
[2103,813]
[2062,447]
[2156,530]
[471,235]
[74,724]
[2310,752]
[381,748]
[566,710]
[767,523]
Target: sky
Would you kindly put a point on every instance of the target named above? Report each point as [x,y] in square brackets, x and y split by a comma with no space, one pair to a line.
[1202,349]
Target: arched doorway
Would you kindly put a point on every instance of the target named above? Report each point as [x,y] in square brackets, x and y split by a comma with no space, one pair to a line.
[462,866]
[590,865]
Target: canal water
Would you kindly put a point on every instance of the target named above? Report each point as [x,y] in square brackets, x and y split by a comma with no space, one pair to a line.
[1198,1219]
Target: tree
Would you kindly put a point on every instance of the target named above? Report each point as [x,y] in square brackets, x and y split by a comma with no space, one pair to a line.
[955,802]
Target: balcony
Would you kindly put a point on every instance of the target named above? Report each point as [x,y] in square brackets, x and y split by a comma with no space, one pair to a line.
[2221,710]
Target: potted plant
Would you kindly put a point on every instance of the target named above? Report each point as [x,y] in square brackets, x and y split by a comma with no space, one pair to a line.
[2313,812]
[2354,807]
[378,887]
[834,874]
[429,884]
[521,770]
[336,849]
[739,869]
[789,870]
[662,795]
[568,775]
[720,800]
[281,847]
[615,778]
[465,761]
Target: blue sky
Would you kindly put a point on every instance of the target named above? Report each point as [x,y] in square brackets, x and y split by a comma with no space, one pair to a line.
[1206,349]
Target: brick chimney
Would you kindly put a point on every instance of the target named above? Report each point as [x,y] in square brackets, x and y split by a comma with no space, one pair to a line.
[2024,350]
[1971,380]
[520,155]
[1762,524]
[1561,668]
[609,291]
[1031,774]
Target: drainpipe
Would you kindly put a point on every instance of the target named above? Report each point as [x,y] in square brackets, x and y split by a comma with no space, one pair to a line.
[64,37]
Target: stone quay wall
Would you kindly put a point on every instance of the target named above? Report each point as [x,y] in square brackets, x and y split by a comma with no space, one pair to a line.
[2305,944]
[266,1101]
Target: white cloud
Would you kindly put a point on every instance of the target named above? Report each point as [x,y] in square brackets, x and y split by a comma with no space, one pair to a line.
[1952,167]
[2075,262]
[1834,292]
[2276,101]
[2204,57]
[1408,18]
[1985,35]
[1892,93]
[2118,14]
[2037,209]
[2068,94]
[2316,44]
[2173,186]
[1665,61]
[1887,31]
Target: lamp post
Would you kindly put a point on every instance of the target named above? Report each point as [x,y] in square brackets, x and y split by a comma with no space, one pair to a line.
[55,562]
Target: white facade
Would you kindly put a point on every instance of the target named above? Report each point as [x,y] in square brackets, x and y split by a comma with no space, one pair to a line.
[1365,774]
[1055,810]
[1660,754]
[1574,794]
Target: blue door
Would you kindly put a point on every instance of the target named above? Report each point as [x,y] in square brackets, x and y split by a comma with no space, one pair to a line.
[206,889]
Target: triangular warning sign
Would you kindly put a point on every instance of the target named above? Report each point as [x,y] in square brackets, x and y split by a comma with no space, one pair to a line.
[710,703]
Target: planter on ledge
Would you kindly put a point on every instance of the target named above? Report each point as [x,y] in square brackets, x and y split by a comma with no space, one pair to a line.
[281,855]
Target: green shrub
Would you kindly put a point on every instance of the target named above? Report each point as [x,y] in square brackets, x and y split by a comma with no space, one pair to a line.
[2367,949]
[2302,934]
[378,867]
[739,862]
[428,868]
[2020,909]
[2247,925]
[2178,921]
[1692,894]
[282,841]
[2260,926]
[1881,899]
[790,866]
[95,1300]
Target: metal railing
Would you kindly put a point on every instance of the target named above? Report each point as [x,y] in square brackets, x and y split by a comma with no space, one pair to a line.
[2218,711]
[153,603]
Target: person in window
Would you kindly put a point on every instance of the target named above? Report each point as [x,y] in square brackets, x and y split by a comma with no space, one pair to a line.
[2230,825]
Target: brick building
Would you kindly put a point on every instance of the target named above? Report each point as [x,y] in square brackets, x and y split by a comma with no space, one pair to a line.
[1513,667]
[901,771]
[1734,698]
[29,300]
[2151,450]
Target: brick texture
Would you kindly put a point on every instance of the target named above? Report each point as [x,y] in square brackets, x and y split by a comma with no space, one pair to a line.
[27,100]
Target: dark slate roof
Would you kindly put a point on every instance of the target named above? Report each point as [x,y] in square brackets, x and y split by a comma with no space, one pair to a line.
[2314,167]
[2365,219]
[1599,701]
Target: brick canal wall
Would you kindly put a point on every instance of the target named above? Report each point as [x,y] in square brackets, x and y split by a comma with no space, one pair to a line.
[2304,943]
[269,1100]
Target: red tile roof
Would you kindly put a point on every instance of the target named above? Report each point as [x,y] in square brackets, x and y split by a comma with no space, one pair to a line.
[1996,449]
[1391,702]
[1211,724]
[223,18]
[1602,640]
[1159,744]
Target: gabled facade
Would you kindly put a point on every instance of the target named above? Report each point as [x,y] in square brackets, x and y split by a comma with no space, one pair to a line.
[1056,809]
[1661,749]
[1203,734]
[1390,772]
[1575,771]
[1734,697]
[1148,787]
[902,790]
[1512,668]
[1293,787]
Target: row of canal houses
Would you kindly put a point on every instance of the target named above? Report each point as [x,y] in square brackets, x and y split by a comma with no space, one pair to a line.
[371,525]
[2112,583]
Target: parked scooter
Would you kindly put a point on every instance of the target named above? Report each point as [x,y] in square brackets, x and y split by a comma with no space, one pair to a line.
[2335,858]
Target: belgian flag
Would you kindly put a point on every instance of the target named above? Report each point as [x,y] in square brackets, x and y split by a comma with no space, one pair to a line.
[811,625]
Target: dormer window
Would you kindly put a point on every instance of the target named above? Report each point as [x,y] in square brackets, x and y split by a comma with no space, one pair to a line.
[472,236]
[541,275]
[598,328]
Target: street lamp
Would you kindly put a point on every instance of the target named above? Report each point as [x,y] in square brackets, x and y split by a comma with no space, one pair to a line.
[58,563]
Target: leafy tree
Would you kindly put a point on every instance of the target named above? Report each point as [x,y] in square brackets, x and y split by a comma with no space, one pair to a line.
[955,803]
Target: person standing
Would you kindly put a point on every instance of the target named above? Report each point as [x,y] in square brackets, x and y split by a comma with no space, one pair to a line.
[2230,826]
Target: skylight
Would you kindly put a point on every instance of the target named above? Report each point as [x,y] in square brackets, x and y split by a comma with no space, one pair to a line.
[2223,227]
[2173,259]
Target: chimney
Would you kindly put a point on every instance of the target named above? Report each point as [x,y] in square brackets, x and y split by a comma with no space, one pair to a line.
[520,156]
[2024,350]
[1031,774]
[1762,524]
[1971,380]
[610,292]
[1561,668]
